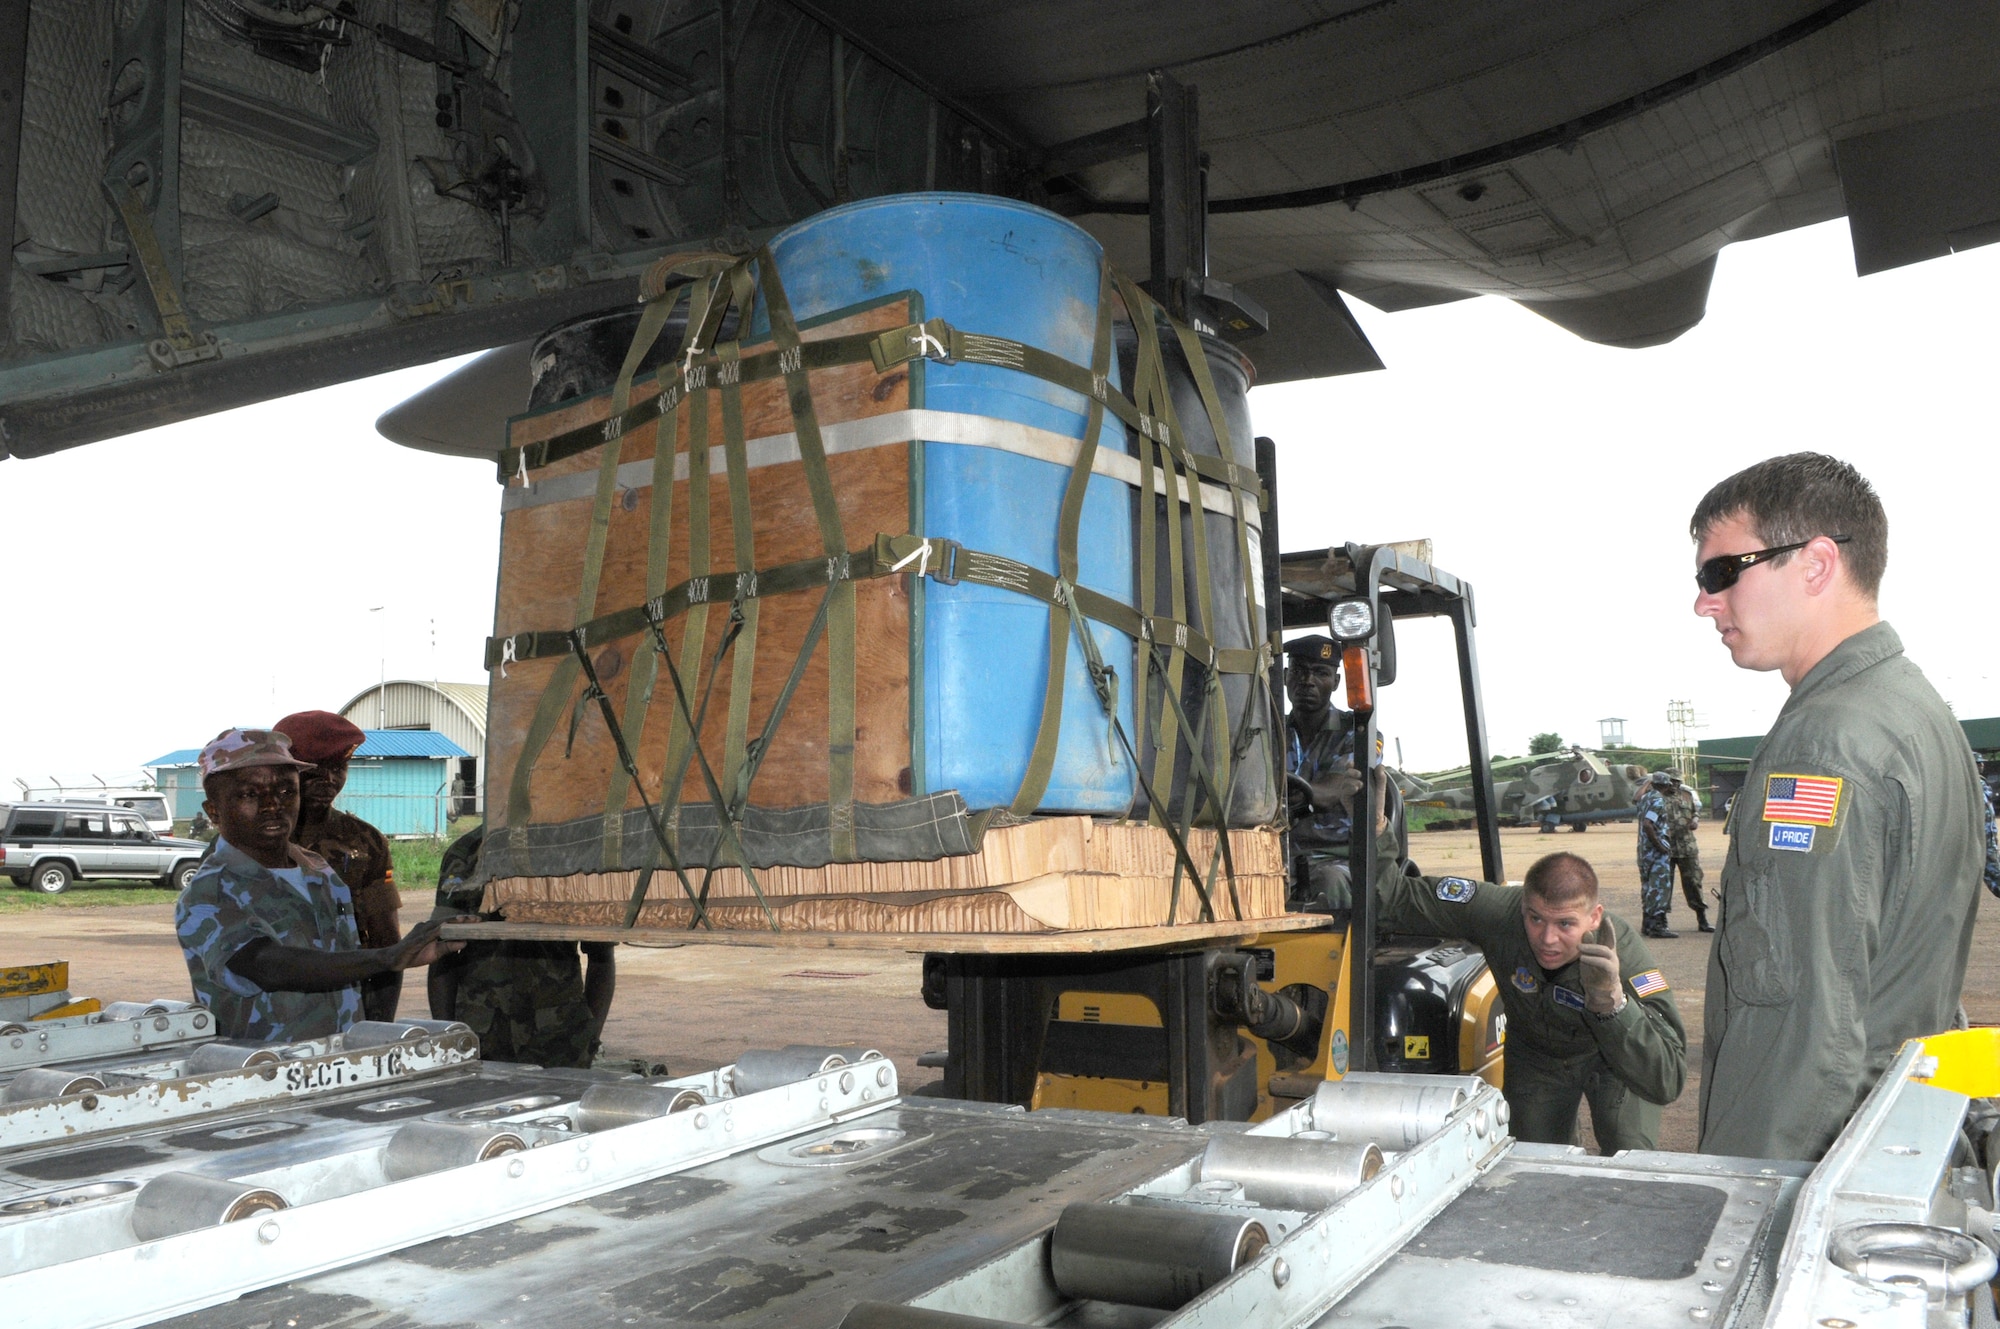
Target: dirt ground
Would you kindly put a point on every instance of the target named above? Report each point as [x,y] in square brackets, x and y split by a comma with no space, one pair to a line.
[697,1006]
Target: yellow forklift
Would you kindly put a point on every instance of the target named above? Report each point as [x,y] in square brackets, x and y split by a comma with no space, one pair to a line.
[1236,1031]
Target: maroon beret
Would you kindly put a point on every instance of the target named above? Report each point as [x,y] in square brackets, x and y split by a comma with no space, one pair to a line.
[319,736]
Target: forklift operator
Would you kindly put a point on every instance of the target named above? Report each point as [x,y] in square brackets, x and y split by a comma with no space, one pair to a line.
[1588,1013]
[1320,775]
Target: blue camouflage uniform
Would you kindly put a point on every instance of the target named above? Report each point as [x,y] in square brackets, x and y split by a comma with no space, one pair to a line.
[1320,838]
[233,901]
[1992,875]
[1656,855]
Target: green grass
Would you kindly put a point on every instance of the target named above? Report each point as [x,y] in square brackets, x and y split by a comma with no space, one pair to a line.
[417,860]
[83,895]
[1421,819]
[416,870]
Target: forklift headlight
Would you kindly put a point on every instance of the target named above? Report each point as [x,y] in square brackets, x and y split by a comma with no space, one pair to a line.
[1352,620]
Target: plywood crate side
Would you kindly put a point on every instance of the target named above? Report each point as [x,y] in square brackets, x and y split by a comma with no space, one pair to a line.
[541,567]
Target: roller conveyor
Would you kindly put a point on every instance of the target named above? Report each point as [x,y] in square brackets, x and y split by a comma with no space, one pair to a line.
[490,1194]
[121,1029]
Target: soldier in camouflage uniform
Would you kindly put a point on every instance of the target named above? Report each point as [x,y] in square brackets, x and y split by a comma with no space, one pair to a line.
[354,849]
[1656,854]
[1992,874]
[529,1001]
[267,927]
[1320,775]
[1683,815]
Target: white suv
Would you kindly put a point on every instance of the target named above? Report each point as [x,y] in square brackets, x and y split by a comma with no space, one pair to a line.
[46,846]
[150,804]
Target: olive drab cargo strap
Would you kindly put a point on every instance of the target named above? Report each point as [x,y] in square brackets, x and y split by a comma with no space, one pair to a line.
[651,322]
[1167,628]
[1156,402]
[1104,681]
[1254,631]
[1069,523]
[562,679]
[698,275]
[595,692]
[933,340]
[730,357]
[682,737]
[728,838]
[949,562]
[840,594]
[1153,462]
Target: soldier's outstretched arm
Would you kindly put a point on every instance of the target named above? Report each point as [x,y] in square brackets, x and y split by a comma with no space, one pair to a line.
[1644,1043]
[276,967]
[1448,906]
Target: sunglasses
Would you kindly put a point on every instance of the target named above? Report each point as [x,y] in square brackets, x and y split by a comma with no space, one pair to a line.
[1718,574]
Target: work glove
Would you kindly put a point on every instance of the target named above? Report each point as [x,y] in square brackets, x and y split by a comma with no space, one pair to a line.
[1603,991]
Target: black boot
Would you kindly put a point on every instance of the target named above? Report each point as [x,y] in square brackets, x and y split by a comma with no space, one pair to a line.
[1656,926]
[1701,923]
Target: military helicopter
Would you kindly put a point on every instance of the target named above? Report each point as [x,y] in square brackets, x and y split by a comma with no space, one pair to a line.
[1573,788]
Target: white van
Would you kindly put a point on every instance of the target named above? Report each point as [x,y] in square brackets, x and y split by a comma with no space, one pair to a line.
[150,804]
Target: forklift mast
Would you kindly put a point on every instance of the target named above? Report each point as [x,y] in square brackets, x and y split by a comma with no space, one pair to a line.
[1356,593]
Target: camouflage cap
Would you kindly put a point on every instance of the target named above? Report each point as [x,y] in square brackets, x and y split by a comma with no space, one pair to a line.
[1314,649]
[1664,777]
[241,749]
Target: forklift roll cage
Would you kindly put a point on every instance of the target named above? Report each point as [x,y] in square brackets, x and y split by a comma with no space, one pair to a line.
[1397,583]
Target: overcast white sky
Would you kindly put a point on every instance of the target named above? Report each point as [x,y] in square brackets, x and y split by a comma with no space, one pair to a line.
[223,571]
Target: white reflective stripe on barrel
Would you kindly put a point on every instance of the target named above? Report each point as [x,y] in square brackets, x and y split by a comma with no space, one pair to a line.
[874,431]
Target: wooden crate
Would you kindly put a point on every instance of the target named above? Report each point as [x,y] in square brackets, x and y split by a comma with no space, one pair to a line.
[541,573]
[1049,874]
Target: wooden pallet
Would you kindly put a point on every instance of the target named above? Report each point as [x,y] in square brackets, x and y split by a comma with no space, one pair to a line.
[1097,941]
[1053,874]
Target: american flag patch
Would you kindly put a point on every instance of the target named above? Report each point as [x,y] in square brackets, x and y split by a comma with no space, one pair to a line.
[1805,798]
[1649,984]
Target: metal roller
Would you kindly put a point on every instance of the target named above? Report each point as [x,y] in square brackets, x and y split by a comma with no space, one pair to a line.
[176,1202]
[1394,1115]
[422,1147]
[438,1028]
[1286,1173]
[140,1010]
[759,1069]
[895,1315]
[381,1033]
[1150,1256]
[41,1082]
[230,1056]
[605,1107]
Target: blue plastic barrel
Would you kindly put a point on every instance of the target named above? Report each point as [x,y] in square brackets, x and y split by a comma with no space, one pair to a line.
[1006,269]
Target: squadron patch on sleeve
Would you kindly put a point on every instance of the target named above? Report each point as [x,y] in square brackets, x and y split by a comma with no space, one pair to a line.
[1649,984]
[1811,799]
[1564,997]
[1455,890]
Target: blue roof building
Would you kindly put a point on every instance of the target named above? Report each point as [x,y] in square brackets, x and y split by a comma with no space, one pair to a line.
[399,781]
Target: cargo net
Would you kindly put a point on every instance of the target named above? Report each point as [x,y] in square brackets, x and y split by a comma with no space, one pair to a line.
[607,819]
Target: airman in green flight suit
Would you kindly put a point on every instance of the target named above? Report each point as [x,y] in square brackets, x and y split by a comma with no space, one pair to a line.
[1589,1015]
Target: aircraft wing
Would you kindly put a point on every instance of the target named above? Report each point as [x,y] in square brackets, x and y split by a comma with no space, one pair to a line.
[221,201]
